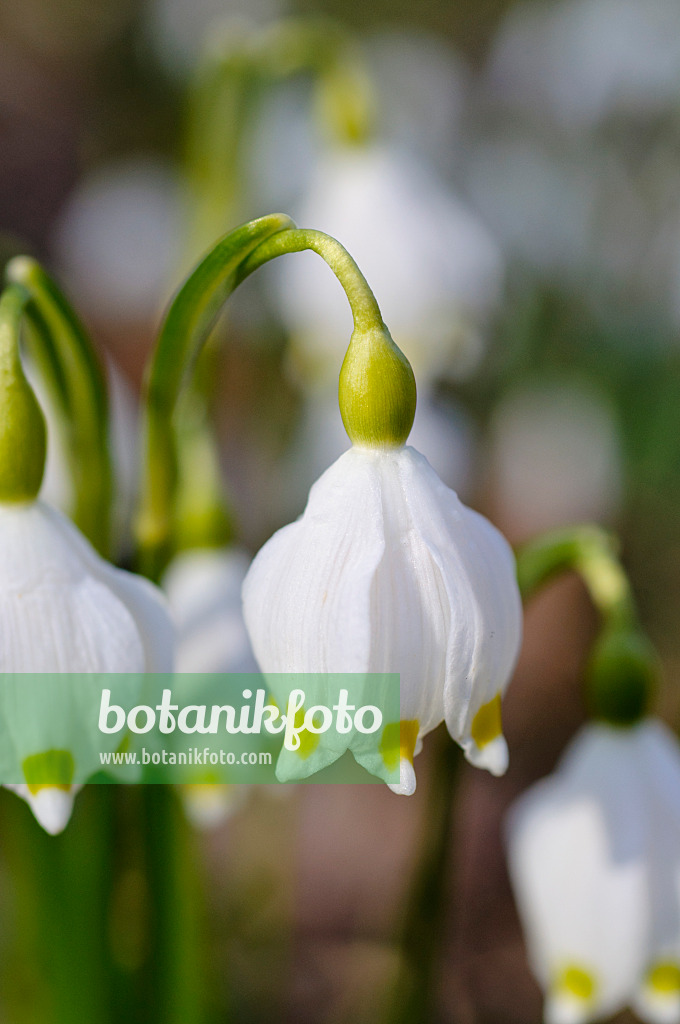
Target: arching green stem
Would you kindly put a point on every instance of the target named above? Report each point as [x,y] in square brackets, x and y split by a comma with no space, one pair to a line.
[72,372]
[365,310]
[185,330]
[592,553]
[623,669]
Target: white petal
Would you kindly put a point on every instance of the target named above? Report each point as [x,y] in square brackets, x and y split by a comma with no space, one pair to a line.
[51,805]
[306,598]
[207,806]
[657,1007]
[577,856]
[477,568]
[387,571]
[407,779]
[64,609]
[564,1008]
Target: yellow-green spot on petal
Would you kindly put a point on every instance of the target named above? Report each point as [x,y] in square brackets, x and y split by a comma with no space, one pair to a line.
[398,741]
[664,978]
[487,724]
[309,741]
[53,768]
[576,981]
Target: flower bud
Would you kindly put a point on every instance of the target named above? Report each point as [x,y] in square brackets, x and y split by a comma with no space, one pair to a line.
[22,426]
[377,390]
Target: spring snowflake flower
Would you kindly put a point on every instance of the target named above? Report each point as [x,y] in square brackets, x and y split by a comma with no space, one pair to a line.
[595,861]
[64,609]
[387,571]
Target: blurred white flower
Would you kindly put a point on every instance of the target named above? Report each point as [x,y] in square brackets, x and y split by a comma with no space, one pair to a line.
[117,240]
[387,571]
[64,609]
[203,587]
[178,29]
[594,856]
[578,61]
[435,267]
[555,457]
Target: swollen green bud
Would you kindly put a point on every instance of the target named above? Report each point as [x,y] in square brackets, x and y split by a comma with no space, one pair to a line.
[621,676]
[22,426]
[377,390]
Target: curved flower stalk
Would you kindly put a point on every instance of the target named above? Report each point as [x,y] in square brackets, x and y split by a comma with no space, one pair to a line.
[63,609]
[437,269]
[595,861]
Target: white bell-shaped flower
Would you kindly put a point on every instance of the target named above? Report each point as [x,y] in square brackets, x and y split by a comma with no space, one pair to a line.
[203,586]
[387,571]
[594,854]
[64,609]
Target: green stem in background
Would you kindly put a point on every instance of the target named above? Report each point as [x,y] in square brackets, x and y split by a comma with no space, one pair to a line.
[414,1000]
[186,328]
[173,983]
[60,898]
[623,669]
[71,369]
[589,551]
[236,68]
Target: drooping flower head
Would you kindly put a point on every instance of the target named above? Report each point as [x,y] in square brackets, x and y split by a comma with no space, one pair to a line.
[594,853]
[387,571]
[63,608]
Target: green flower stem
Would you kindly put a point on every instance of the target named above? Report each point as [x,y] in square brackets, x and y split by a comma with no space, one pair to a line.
[71,369]
[236,69]
[61,888]
[414,999]
[622,672]
[592,553]
[185,330]
[365,310]
[173,984]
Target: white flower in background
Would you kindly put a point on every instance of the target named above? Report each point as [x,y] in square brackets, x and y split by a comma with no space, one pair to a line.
[64,609]
[558,441]
[578,61]
[434,265]
[387,571]
[594,855]
[203,587]
[116,240]
[177,30]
